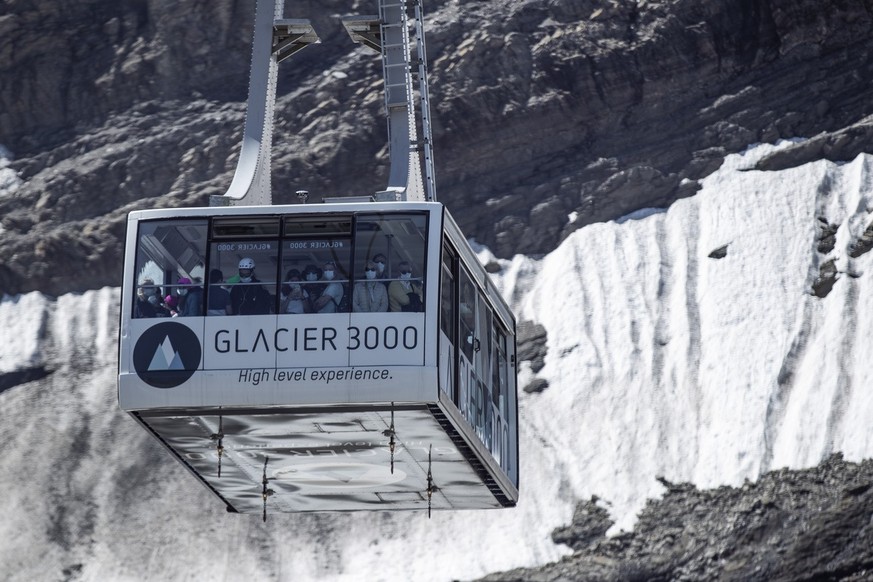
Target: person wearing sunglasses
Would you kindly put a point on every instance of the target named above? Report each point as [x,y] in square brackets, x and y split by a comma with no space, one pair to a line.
[370,296]
[404,294]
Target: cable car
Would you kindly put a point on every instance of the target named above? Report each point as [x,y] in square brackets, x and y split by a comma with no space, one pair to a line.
[337,356]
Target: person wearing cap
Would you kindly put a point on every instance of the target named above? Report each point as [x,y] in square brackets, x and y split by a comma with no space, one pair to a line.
[190,298]
[171,305]
[248,297]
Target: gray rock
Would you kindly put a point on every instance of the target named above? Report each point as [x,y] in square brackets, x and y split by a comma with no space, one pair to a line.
[536,386]
[539,109]
[790,525]
[531,342]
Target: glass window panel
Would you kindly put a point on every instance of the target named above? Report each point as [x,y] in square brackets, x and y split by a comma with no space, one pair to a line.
[170,259]
[318,226]
[316,275]
[245,227]
[467,314]
[244,271]
[448,323]
[395,244]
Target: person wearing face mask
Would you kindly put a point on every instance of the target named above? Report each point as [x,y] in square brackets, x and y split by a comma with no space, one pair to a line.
[370,295]
[248,297]
[148,300]
[332,294]
[381,261]
[294,298]
[190,298]
[311,275]
[404,294]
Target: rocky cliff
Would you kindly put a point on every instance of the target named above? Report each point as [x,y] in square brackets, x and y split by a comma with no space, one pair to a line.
[790,525]
[549,115]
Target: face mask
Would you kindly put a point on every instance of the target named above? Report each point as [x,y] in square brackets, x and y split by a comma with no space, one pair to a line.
[380,265]
[153,299]
[370,274]
[245,279]
[183,292]
[295,287]
[405,276]
[311,276]
[328,275]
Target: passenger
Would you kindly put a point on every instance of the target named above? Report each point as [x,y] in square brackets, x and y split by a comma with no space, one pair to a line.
[148,302]
[294,298]
[405,294]
[370,295]
[248,297]
[381,261]
[330,297]
[190,298]
[170,305]
[311,274]
[219,297]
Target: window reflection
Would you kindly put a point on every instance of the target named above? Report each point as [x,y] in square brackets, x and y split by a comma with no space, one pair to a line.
[170,260]
[370,262]
[393,246]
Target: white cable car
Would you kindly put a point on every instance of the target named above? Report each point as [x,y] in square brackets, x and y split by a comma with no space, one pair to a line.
[350,355]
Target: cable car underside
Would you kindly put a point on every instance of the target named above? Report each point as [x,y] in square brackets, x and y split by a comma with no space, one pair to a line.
[344,459]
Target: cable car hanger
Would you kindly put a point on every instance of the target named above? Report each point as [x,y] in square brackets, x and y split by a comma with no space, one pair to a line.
[411,176]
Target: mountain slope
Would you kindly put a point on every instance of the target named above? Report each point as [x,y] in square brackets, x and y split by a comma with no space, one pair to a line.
[662,361]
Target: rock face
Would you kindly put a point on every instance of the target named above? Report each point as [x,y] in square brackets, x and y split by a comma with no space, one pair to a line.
[790,525]
[542,110]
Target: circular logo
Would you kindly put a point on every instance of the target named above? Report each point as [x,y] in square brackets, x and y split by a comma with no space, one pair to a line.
[166,355]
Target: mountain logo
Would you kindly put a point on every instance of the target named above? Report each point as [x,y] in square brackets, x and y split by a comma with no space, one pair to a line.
[166,355]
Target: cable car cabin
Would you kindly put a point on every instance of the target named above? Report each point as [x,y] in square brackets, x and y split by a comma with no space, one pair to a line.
[325,357]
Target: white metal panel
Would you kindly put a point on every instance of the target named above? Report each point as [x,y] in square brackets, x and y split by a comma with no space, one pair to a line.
[260,387]
[282,210]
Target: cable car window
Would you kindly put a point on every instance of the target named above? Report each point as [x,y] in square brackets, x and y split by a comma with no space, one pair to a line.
[170,258]
[245,227]
[296,226]
[315,273]
[394,244]
[467,315]
[501,369]
[242,272]
[448,323]
[500,421]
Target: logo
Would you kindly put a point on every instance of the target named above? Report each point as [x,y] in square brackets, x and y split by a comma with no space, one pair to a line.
[166,355]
